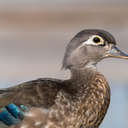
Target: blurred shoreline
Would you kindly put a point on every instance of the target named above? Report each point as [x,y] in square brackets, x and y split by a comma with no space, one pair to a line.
[34,18]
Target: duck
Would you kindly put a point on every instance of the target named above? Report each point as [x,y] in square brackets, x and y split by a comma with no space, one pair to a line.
[81,101]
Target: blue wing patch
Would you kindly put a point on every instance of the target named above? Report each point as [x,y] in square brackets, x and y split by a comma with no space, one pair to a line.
[12,114]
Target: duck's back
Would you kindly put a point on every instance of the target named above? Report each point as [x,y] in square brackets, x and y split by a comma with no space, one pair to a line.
[36,93]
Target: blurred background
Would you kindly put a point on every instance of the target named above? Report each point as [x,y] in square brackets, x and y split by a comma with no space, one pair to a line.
[34,33]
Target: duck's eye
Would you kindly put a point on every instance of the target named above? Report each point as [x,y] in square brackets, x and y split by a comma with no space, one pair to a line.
[96,40]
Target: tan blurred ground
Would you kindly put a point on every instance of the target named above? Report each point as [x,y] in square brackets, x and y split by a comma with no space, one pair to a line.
[33,38]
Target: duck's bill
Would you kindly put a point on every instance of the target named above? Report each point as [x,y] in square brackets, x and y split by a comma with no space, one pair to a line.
[117,53]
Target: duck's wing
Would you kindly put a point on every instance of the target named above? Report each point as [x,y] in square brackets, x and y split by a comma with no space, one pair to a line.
[36,93]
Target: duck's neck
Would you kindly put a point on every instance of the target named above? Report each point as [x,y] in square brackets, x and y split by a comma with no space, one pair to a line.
[83,75]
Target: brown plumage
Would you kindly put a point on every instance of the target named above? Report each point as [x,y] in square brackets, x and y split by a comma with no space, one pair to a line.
[79,102]
[82,100]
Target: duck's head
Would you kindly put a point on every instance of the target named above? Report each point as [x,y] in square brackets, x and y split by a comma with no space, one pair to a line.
[89,47]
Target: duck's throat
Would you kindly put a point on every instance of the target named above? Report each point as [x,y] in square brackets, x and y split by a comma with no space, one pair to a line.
[83,75]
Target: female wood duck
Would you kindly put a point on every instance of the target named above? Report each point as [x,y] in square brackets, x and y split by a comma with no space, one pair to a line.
[79,102]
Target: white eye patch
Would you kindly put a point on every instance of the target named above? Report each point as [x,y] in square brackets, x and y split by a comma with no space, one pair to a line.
[93,41]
